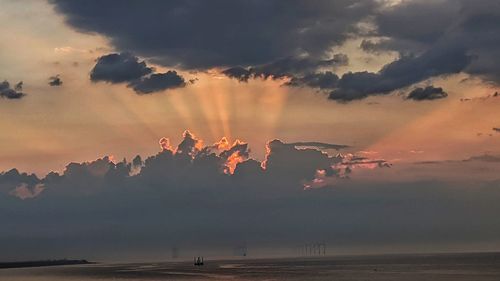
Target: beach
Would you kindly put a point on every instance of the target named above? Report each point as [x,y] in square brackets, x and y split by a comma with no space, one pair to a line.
[440,267]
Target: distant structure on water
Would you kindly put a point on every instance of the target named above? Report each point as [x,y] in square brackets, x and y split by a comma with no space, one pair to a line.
[198,261]
[240,251]
[312,250]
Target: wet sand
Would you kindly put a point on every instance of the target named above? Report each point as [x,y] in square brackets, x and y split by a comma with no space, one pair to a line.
[436,267]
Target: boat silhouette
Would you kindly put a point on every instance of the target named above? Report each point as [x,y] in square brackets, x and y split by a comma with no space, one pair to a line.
[198,261]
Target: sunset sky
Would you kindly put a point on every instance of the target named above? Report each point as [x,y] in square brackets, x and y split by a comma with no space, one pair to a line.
[410,88]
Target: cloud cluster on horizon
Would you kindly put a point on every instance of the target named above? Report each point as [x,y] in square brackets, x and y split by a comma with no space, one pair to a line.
[114,210]
[189,175]
[294,39]
[298,160]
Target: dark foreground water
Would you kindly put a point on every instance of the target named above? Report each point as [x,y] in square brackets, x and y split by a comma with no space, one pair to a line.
[453,267]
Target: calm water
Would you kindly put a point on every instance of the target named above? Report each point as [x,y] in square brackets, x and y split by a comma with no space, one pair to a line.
[456,267]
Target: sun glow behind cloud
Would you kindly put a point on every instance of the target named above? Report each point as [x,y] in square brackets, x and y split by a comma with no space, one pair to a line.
[87,120]
[219,105]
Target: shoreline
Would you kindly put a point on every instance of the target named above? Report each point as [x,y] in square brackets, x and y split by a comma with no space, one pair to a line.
[42,263]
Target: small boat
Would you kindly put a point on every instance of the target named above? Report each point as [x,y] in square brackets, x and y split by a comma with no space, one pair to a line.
[198,261]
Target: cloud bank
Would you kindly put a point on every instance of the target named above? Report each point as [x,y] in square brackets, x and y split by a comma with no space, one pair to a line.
[121,210]
[202,35]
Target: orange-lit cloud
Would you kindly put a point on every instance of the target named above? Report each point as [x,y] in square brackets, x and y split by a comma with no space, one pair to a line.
[165,144]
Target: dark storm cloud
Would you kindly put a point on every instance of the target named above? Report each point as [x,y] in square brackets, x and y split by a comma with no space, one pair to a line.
[201,34]
[427,93]
[239,73]
[126,68]
[496,130]
[295,38]
[119,68]
[322,80]
[401,73]
[287,67]
[420,21]
[158,82]
[55,81]
[470,25]
[6,91]
[462,37]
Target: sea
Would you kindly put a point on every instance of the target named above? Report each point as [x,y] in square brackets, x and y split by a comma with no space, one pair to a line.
[421,267]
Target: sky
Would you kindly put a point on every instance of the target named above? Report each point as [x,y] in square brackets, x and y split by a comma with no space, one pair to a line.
[130,127]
